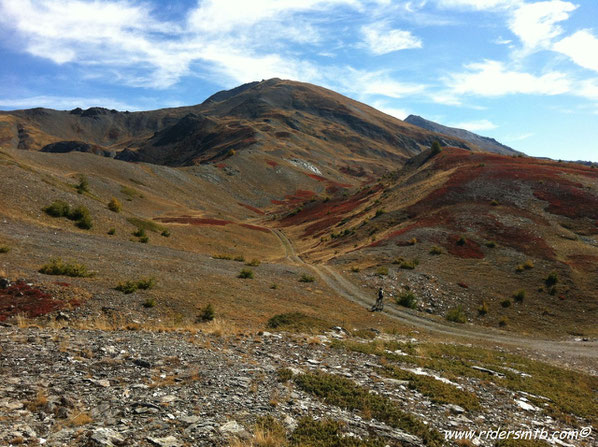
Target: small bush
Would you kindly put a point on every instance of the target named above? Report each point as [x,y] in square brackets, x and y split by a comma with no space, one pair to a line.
[145,284]
[409,265]
[412,241]
[435,250]
[274,286]
[112,231]
[58,208]
[505,303]
[144,239]
[407,299]
[456,315]
[552,279]
[504,321]
[379,212]
[491,244]
[165,233]
[140,232]
[284,374]
[127,287]
[355,269]
[253,263]
[149,303]
[483,309]
[85,222]
[527,265]
[461,241]
[115,205]
[435,148]
[221,256]
[239,258]
[132,286]
[306,278]
[246,274]
[519,296]
[83,185]
[494,203]
[4,249]
[382,271]
[206,314]
[57,267]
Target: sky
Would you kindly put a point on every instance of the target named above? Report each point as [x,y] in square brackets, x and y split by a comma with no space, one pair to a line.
[522,71]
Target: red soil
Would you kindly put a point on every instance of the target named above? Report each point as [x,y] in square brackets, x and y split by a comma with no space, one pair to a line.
[272,163]
[469,250]
[252,208]
[255,227]
[21,298]
[317,177]
[220,165]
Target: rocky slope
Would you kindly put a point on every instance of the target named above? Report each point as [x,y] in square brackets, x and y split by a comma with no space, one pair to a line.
[485,143]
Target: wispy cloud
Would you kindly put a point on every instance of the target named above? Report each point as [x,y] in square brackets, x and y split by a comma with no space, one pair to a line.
[493,78]
[380,38]
[475,126]
[581,47]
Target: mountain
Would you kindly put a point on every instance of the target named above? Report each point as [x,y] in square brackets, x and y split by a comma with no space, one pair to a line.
[485,143]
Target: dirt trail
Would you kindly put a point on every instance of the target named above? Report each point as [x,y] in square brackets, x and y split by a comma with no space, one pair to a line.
[564,349]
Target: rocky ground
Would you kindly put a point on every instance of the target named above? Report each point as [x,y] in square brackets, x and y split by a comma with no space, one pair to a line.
[67,387]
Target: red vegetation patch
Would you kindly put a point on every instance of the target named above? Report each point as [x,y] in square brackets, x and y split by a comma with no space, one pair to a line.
[291,200]
[317,177]
[282,135]
[272,163]
[469,250]
[587,263]
[193,221]
[569,201]
[21,298]
[463,285]
[256,227]
[252,208]
[220,165]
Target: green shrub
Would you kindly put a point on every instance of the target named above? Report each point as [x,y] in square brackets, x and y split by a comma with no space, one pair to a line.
[284,374]
[253,263]
[409,264]
[147,283]
[115,205]
[379,212]
[494,203]
[344,393]
[355,269]
[58,208]
[407,299]
[146,225]
[4,249]
[221,256]
[491,244]
[527,265]
[504,321]
[326,433]
[461,241]
[519,296]
[552,279]
[435,250]
[382,271]
[140,232]
[505,303]
[483,309]
[83,185]
[239,258]
[456,315]
[306,278]
[206,314]
[435,148]
[85,222]
[112,231]
[274,286]
[57,267]
[246,274]
[144,239]
[165,233]
[149,303]
[127,287]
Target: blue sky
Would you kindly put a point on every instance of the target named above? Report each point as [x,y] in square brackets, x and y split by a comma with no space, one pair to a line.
[522,71]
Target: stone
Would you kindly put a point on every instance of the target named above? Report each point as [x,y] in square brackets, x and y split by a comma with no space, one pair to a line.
[107,437]
[168,441]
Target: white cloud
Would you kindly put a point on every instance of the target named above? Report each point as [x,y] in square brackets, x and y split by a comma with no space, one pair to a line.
[581,47]
[65,103]
[373,83]
[379,38]
[478,4]
[475,126]
[536,23]
[389,110]
[492,78]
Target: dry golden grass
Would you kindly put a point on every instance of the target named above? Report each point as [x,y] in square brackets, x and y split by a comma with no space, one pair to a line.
[79,419]
[261,438]
[40,401]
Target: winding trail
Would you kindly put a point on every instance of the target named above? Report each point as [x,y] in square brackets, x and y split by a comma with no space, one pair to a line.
[346,289]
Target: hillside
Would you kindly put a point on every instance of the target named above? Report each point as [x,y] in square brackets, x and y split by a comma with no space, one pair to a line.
[485,143]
